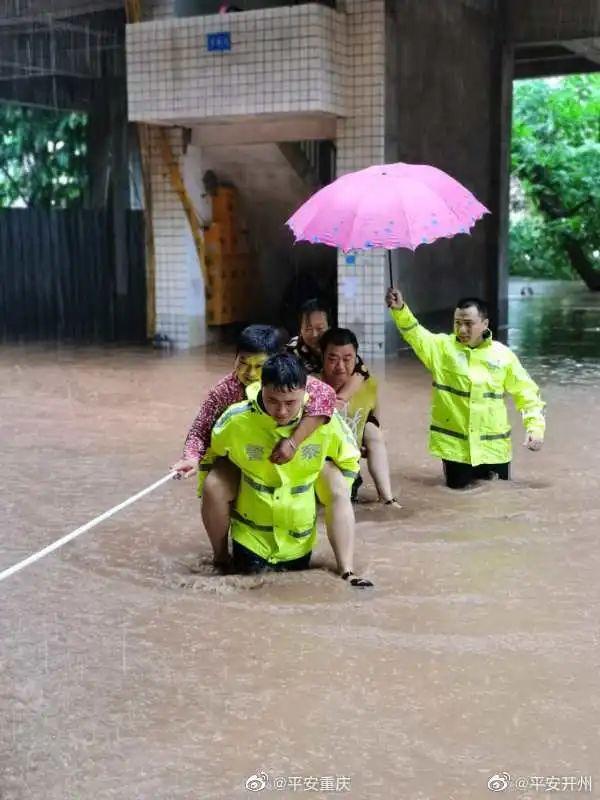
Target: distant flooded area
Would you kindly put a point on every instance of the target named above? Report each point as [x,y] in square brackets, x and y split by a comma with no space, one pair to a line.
[555,327]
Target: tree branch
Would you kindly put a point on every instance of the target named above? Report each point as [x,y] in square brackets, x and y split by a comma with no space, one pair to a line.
[581,263]
[13,183]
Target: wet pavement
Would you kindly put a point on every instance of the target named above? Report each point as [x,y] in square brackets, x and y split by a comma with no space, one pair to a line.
[128,671]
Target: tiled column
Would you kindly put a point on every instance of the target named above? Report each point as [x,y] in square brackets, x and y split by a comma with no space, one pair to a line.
[172,240]
[360,143]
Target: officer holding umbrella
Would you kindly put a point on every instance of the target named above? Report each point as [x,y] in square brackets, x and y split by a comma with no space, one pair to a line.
[471,373]
[409,205]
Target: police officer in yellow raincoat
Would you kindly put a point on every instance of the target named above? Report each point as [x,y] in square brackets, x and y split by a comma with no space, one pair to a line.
[471,373]
[274,519]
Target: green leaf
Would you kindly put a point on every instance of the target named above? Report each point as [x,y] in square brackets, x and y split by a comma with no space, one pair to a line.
[556,159]
[30,173]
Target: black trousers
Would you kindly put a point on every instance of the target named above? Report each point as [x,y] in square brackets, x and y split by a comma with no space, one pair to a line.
[248,563]
[458,475]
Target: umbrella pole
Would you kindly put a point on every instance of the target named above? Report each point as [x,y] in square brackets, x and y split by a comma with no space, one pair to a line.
[389,252]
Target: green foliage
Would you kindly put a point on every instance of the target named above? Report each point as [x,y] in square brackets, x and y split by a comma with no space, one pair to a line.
[42,157]
[556,162]
[536,251]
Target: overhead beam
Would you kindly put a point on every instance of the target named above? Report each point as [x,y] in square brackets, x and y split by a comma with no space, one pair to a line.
[549,68]
[543,21]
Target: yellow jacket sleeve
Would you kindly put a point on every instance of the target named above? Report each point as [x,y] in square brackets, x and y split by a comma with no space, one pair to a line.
[526,395]
[422,341]
[342,449]
[219,446]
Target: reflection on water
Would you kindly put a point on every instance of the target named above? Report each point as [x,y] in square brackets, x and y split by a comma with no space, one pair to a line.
[556,329]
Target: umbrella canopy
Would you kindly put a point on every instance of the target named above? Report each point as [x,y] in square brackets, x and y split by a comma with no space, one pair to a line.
[388,205]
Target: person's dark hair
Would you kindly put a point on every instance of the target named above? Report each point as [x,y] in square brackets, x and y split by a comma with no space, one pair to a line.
[310,307]
[338,337]
[480,305]
[259,339]
[283,371]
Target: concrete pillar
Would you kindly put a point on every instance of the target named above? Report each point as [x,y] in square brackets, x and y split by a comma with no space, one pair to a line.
[450,90]
[497,261]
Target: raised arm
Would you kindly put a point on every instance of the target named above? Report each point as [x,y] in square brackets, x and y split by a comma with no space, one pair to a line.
[421,340]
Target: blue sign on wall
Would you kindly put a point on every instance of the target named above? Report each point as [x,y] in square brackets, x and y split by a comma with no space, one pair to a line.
[218,41]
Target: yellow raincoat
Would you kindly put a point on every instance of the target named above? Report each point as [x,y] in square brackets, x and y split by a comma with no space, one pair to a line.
[274,514]
[469,421]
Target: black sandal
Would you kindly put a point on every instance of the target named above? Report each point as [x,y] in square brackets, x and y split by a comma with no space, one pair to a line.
[361,583]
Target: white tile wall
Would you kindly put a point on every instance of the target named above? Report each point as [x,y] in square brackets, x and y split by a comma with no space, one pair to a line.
[360,143]
[282,60]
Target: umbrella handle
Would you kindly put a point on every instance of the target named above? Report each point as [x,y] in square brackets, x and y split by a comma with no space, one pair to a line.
[389,252]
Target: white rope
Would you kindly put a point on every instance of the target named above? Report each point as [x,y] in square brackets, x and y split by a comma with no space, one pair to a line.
[78,531]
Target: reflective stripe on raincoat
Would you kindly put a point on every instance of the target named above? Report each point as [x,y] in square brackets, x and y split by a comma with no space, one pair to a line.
[469,420]
[275,512]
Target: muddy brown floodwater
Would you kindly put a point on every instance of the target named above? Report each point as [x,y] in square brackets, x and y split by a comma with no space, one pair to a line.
[129,672]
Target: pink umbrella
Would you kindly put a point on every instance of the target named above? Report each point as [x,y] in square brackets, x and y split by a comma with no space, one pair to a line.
[388,205]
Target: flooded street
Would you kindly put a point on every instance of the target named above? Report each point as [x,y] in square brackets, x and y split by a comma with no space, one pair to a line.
[129,672]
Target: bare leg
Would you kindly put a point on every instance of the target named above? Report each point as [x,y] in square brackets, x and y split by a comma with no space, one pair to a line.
[219,491]
[339,515]
[377,459]
[334,493]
